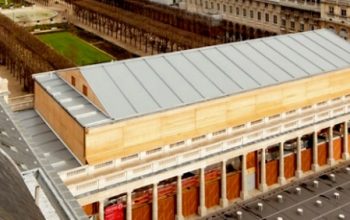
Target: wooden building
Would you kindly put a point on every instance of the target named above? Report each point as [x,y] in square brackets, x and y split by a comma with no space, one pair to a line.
[202,127]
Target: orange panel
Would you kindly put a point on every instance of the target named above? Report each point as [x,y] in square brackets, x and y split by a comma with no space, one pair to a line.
[306,159]
[289,166]
[251,159]
[233,183]
[337,148]
[88,209]
[271,172]
[322,154]
[190,201]
[142,211]
[212,193]
[166,207]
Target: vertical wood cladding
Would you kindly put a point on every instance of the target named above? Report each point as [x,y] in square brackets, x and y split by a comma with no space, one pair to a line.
[142,211]
[289,166]
[337,148]
[306,159]
[251,159]
[322,154]
[233,185]
[190,198]
[167,207]
[271,172]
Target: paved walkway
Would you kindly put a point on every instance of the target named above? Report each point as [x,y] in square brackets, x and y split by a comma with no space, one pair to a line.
[15,88]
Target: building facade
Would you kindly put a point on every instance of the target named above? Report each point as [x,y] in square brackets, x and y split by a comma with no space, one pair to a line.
[252,19]
[176,135]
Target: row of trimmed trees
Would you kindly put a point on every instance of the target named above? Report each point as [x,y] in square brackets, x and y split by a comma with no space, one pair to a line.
[26,55]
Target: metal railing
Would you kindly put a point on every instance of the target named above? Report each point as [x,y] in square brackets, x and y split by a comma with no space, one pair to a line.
[88,179]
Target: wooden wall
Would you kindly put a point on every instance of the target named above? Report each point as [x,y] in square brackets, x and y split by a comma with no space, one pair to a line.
[66,127]
[289,166]
[337,148]
[322,154]
[306,159]
[142,211]
[79,83]
[233,185]
[167,207]
[272,172]
[144,133]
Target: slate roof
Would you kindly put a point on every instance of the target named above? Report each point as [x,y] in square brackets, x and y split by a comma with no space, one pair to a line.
[146,85]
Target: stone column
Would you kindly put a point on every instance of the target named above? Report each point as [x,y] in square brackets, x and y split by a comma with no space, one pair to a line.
[263,185]
[223,200]
[244,191]
[155,201]
[315,166]
[101,210]
[331,160]
[281,178]
[299,171]
[179,215]
[345,142]
[128,206]
[202,210]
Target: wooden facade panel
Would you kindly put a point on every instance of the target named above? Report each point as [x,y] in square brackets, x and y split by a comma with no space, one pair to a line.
[142,211]
[289,166]
[212,193]
[271,172]
[155,130]
[233,185]
[337,148]
[66,127]
[190,201]
[79,83]
[167,207]
[306,159]
[322,154]
[251,159]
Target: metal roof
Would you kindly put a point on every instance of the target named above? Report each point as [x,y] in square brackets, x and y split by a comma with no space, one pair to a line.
[151,84]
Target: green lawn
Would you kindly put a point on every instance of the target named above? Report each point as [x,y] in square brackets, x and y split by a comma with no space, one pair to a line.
[74,48]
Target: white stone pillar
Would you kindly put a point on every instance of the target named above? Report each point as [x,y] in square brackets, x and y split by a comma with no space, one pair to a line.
[299,171]
[101,210]
[37,195]
[281,178]
[223,200]
[244,191]
[315,166]
[179,215]
[202,210]
[263,185]
[155,202]
[129,206]
[345,142]
[331,160]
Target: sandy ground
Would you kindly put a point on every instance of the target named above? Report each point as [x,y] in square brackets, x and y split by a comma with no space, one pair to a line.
[15,87]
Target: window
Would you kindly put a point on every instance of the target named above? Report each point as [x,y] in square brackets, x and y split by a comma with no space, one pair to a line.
[85,90]
[244,12]
[283,22]
[231,10]
[275,19]
[302,28]
[211,5]
[224,8]
[259,15]
[292,25]
[201,2]
[266,5]
[343,12]
[331,10]
[218,6]
[267,17]
[251,14]
[206,5]
[73,80]
[237,11]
